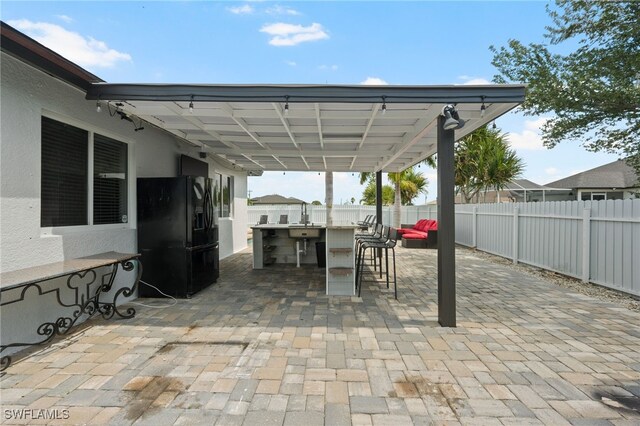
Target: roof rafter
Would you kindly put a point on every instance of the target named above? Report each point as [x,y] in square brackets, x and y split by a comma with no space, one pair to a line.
[240,122]
[374,112]
[283,120]
[421,128]
[319,121]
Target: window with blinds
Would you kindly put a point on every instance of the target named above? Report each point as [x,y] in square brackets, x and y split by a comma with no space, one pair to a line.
[109,181]
[66,181]
[64,167]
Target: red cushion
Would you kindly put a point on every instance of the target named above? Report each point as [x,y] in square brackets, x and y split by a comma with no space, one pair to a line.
[415,236]
[419,226]
[431,225]
[403,231]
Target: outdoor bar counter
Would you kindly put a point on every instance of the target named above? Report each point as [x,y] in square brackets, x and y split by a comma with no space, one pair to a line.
[295,244]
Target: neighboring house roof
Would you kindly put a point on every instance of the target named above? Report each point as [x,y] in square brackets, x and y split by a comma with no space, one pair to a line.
[275,199]
[520,184]
[617,174]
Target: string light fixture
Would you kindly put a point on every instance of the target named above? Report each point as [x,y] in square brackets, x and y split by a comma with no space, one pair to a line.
[98,107]
[383,109]
[286,105]
[483,108]
[191,105]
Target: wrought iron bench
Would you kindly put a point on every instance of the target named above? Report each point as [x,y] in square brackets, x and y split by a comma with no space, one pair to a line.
[81,276]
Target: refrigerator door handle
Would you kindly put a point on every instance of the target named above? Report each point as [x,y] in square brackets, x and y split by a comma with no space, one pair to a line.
[202,247]
[206,202]
[208,207]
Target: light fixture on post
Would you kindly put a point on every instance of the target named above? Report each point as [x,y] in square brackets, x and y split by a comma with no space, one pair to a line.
[191,105]
[286,105]
[383,109]
[452,119]
[483,108]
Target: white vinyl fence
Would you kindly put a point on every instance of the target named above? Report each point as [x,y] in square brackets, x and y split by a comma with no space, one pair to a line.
[341,213]
[595,241]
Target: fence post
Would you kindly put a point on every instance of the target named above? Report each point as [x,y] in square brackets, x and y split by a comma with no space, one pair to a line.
[474,225]
[515,235]
[586,244]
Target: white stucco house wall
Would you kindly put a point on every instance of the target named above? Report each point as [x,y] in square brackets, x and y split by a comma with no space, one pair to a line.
[29,93]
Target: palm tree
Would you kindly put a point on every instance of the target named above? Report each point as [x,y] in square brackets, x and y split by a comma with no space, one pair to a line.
[413,183]
[408,184]
[483,160]
[369,194]
[328,188]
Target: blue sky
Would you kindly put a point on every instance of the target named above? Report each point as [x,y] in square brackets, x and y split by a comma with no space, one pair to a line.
[305,43]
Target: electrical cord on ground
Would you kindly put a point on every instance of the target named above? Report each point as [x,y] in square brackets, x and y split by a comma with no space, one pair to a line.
[159,291]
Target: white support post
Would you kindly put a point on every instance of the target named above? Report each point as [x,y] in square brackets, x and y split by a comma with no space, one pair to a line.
[515,235]
[474,226]
[586,244]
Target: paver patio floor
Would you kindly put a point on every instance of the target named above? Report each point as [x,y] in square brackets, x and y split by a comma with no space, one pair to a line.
[268,347]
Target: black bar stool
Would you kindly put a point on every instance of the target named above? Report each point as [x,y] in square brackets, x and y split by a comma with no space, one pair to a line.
[390,243]
[375,235]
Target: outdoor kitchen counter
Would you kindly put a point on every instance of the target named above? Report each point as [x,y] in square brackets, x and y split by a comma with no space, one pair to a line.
[341,259]
[272,244]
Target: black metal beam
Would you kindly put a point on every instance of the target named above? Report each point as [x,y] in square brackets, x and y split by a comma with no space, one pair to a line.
[505,93]
[379,210]
[446,227]
[379,197]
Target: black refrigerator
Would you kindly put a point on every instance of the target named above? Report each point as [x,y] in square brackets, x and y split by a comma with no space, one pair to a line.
[177,235]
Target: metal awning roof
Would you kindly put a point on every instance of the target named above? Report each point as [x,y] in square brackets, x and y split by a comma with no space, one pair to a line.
[324,128]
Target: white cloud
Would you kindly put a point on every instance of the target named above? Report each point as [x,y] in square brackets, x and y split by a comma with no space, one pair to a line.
[292,35]
[328,67]
[469,80]
[84,51]
[529,139]
[281,10]
[374,81]
[65,18]
[291,63]
[245,9]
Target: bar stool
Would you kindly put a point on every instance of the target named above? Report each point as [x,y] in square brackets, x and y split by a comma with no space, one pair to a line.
[390,243]
[377,234]
[380,235]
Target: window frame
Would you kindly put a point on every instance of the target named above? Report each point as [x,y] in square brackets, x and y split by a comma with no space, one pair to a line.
[219,176]
[131,177]
[604,193]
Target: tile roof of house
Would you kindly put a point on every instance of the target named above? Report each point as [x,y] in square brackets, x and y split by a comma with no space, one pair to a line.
[617,174]
[276,199]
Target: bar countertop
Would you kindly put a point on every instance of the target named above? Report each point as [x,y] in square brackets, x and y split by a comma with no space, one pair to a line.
[338,225]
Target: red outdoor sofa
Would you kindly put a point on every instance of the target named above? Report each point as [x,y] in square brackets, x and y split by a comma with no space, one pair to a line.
[424,234]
